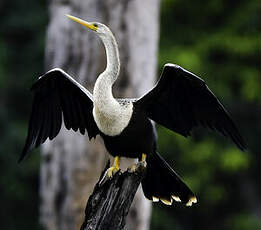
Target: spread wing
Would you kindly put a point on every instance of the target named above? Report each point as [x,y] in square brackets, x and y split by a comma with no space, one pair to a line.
[181,101]
[57,97]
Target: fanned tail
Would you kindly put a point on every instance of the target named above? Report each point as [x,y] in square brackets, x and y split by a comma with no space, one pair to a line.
[163,183]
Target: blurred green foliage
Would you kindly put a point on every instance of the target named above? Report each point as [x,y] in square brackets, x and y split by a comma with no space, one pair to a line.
[22,29]
[221,42]
[216,39]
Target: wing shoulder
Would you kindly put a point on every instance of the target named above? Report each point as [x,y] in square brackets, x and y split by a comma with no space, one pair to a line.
[172,75]
[57,97]
[58,78]
[182,101]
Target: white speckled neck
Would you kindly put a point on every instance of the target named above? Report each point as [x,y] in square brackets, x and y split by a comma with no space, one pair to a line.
[110,117]
[112,54]
[103,85]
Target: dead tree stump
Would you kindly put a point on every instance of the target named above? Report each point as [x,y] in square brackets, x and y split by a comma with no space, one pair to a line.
[111,199]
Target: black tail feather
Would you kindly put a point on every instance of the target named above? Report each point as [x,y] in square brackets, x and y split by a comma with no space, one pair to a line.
[163,183]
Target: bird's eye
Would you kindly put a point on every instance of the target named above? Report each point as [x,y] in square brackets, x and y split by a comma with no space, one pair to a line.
[95,24]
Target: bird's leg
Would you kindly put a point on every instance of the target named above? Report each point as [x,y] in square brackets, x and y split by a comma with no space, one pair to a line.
[115,168]
[143,159]
[142,163]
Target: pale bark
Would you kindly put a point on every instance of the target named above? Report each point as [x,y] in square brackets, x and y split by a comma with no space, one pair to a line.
[71,164]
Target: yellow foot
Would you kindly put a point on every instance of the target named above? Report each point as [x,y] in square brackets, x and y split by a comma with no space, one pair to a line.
[137,167]
[141,165]
[112,171]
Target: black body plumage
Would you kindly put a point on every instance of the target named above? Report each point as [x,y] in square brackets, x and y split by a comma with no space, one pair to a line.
[180,101]
[137,138]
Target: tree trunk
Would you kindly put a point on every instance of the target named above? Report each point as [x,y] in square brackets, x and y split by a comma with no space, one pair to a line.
[111,199]
[71,164]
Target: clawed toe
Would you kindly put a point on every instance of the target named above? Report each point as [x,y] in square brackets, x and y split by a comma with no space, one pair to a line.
[111,171]
[108,175]
[141,165]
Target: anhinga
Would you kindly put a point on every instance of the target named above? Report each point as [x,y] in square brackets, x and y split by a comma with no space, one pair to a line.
[180,101]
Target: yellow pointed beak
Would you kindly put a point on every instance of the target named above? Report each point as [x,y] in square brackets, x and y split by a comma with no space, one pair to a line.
[82,22]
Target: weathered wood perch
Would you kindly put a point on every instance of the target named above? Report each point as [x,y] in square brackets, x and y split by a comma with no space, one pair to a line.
[111,199]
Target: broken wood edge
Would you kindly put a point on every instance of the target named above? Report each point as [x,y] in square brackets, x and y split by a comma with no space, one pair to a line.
[109,204]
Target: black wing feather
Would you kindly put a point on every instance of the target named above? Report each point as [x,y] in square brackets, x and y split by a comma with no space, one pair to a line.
[57,95]
[181,101]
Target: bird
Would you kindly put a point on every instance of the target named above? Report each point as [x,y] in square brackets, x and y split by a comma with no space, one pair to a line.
[180,101]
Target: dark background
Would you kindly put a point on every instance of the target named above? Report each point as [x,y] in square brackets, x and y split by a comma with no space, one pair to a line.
[219,40]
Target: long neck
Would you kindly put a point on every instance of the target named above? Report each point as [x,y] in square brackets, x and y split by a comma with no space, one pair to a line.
[103,85]
[112,54]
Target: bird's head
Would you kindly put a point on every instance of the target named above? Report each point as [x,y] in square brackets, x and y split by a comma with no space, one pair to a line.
[97,27]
